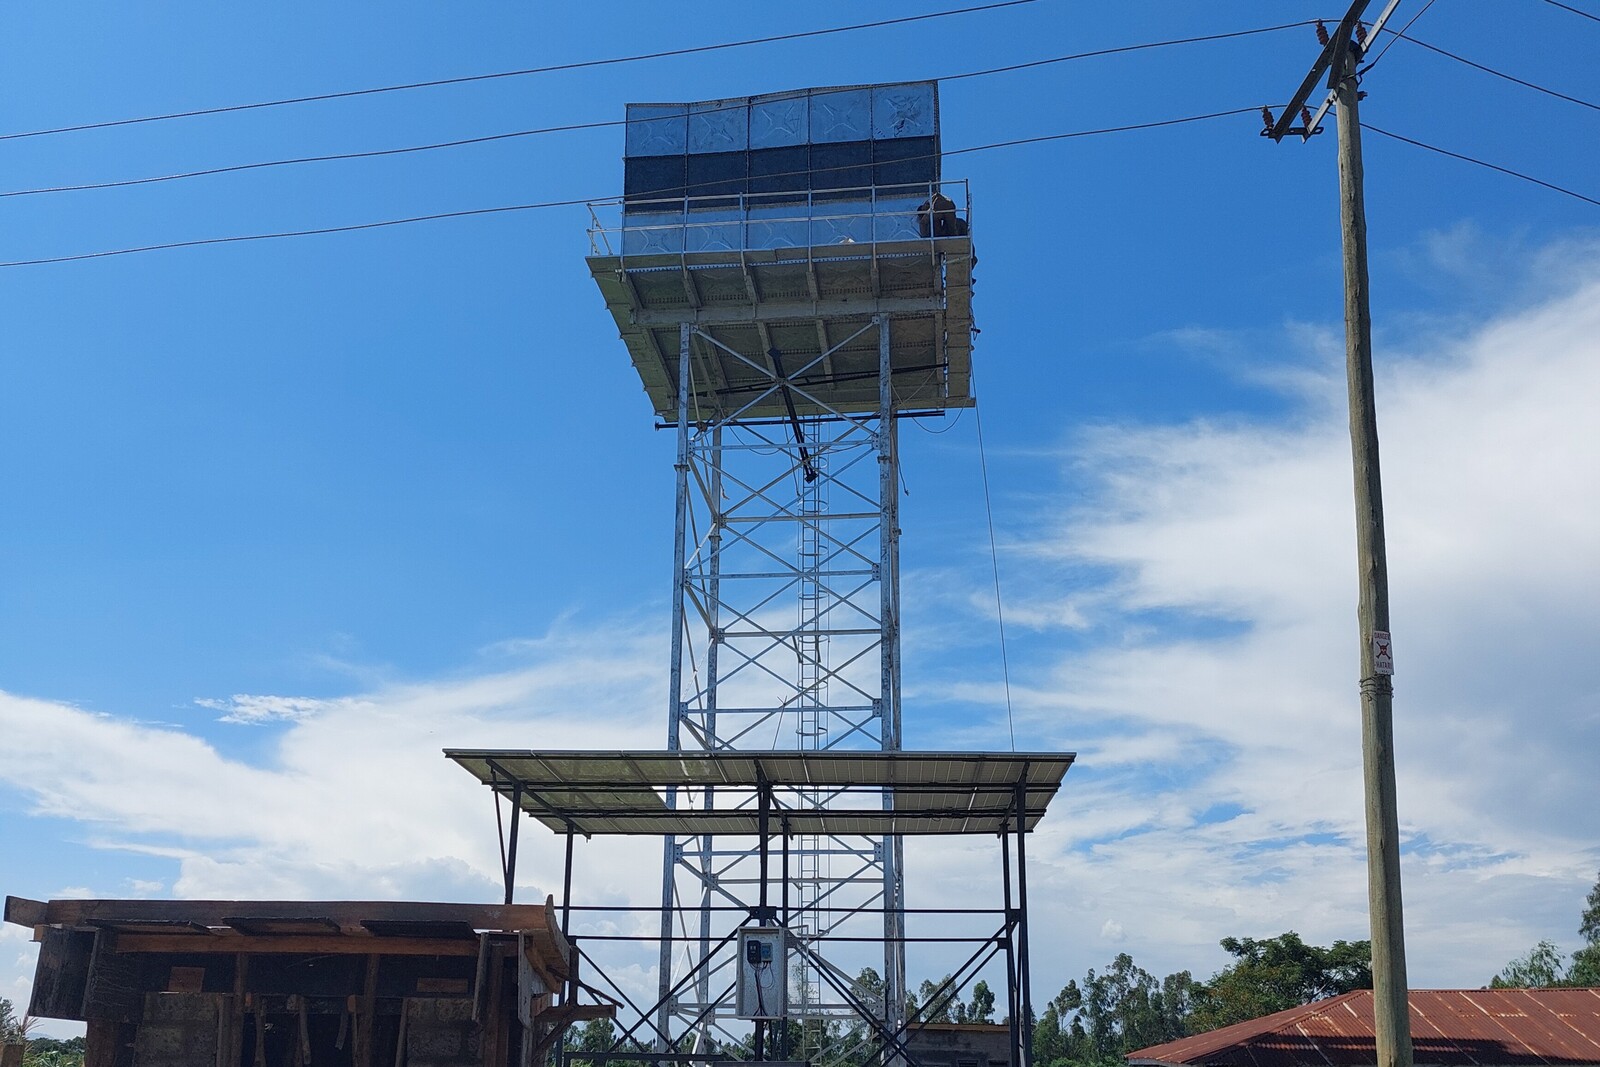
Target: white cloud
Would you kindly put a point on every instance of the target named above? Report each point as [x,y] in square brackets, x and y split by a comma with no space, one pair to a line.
[255,710]
[356,799]
[1213,700]
[1243,533]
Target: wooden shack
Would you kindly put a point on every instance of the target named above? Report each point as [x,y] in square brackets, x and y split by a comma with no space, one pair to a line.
[250,983]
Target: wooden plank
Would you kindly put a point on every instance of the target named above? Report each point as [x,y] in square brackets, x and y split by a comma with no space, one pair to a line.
[112,989]
[297,944]
[492,1020]
[348,914]
[480,982]
[62,975]
[232,1043]
[366,1016]
[25,912]
[102,1043]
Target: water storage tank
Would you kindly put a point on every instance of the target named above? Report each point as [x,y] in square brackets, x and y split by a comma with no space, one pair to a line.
[790,222]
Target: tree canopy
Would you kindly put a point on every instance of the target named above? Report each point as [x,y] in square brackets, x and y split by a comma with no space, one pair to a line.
[1275,974]
[1095,1023]
[10,1025]
[1543,965]
[1111,1014]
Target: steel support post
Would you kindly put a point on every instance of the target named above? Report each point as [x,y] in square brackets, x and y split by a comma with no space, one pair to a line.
[1024,969]
[511,845]
[713,645]
[763,914]
[786,874]
[566,888]
[669,844]
[894,922]
[1013,1001]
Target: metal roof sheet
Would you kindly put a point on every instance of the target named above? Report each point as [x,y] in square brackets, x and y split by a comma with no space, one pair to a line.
[1450,1027]
[795,297]
[624,792]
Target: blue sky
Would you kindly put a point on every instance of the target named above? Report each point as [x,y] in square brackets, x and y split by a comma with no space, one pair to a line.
[284,518]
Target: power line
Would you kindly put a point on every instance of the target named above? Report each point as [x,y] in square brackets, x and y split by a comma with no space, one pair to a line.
[572,127]
[1497,73]
[543,205]
[1118,50]
[235,168]
[994,559]
[1477,162]
[548,204]
[1396,35]
[468,78]
[1575,11]
[1108,129]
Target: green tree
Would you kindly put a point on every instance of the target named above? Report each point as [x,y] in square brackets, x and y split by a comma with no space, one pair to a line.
[1586,961]
[54,1052]
[1275,974]
[853,1045]
[596,1035]
[1111,1014]
[980,1009]
[932,1005]
[10,1026]
[1543,966]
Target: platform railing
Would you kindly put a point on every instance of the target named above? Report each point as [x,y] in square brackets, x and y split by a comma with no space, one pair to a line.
[864,215]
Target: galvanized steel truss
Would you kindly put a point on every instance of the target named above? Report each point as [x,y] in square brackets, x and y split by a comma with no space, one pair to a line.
[785,634]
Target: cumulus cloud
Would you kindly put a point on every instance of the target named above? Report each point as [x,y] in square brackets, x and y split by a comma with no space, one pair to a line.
[1219,790]
[252,710]
[355,799]
[1204,585]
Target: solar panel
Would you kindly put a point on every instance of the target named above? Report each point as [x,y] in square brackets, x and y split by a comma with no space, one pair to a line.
[617,792]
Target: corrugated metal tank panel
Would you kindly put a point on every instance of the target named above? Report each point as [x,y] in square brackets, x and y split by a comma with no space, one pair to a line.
[837,141]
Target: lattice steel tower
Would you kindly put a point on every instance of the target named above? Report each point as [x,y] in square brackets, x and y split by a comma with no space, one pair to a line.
[790,275]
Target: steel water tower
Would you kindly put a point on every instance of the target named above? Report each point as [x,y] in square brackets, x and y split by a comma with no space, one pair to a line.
[791,275]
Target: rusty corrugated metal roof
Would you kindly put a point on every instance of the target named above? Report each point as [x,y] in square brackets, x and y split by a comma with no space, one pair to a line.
[1451,1027]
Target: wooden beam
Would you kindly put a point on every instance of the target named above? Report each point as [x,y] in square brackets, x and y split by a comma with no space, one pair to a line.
[224,942]
[348,914]
[366,1016]
[25,912]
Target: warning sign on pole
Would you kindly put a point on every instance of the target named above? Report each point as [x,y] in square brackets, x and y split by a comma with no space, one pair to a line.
[1382,653]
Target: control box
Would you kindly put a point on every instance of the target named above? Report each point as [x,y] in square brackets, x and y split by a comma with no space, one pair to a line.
[763,986]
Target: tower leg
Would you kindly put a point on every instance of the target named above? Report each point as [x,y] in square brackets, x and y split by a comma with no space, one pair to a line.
[669,844]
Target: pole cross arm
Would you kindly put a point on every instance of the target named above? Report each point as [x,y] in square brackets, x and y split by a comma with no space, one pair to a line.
[1284,126]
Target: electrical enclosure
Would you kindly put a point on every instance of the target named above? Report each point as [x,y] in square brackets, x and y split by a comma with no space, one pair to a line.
[763,987]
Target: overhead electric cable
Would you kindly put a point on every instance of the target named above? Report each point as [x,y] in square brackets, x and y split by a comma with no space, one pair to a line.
[1107,129]
[1574,10]
[235,168]
[1497,73]
[1395,35]
[1118,50]
[576,202]
[553,68]
[572,127]
[1478,162]
[994,559]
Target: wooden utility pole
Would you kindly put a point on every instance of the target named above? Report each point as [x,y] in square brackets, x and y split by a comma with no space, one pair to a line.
[1391,1013]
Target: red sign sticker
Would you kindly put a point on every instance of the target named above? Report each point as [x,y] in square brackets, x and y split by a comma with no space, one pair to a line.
[1382,653]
